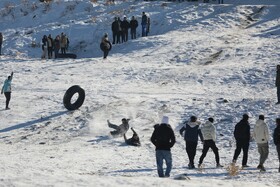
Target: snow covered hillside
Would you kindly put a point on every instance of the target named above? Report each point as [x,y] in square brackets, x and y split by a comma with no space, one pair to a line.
[201,59]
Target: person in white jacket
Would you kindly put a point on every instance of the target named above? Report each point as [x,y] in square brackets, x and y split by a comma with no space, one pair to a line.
[261,135]
[209,136]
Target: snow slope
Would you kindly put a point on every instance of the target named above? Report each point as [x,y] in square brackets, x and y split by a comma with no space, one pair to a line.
[200,59]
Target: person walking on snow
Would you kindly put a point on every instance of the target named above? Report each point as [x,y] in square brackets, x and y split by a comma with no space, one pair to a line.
[276,139]
[208,131]
[242,137]
[277,83]
[7,89]
[261,135]
[119,130]
[134,140]
[164,139]
[192,131]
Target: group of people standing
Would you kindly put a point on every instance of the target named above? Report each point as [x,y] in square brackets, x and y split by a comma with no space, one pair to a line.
[164,139]
[120,28]
[50,45]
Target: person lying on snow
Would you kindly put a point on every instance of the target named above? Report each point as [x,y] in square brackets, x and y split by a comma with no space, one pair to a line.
[121,129]
[134,140]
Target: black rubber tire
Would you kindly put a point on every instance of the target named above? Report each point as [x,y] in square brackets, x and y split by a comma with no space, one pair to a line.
[69,94]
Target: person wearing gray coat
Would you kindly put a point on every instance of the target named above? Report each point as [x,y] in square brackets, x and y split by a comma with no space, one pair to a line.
[261,135]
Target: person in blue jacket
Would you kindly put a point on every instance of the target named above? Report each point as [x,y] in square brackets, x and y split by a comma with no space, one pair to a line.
[192,131]
[6,89]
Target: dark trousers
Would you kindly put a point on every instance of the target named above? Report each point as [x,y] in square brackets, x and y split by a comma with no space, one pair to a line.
[125,36]
[133,33]
[115,34]
[278,94]
[245,147]
[8,98]
[278,151]
[191,151]
[50,52]
[63,50]
[0,48]
[209,144]
[105,53]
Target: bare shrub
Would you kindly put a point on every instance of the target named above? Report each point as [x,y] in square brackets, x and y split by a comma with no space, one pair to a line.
[233,170]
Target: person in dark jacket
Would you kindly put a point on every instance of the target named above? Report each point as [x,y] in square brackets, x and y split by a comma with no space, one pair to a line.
[124,26]
[105,45]
[144,23]
[1,41]
[133,26]
[277,83]
[276,139]
[134,140]
[192,131]
[116,29]
[44,46]
[56,46]
[7,89]
[164,139]
[242,137]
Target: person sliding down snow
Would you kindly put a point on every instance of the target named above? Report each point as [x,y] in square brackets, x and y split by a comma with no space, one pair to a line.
[134,140]
[121,129]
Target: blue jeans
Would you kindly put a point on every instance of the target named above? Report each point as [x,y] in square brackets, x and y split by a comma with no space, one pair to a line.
[144,30]
[160,156]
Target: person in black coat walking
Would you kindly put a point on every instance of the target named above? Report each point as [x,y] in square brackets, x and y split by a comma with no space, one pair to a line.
[192,131]
[164,139]
[133,27]
[242,137]
[276,139]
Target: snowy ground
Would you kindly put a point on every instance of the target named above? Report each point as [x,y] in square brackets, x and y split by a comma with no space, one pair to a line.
[200,59]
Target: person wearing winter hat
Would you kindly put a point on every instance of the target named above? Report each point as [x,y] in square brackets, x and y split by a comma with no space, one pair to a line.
[164,139]
[276,139]
[242,137]
[208,131]
[105,45]
[261,135]
[192,131]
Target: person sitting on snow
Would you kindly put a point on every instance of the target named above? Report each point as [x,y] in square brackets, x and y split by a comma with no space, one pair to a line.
[134,140]
[121,129]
